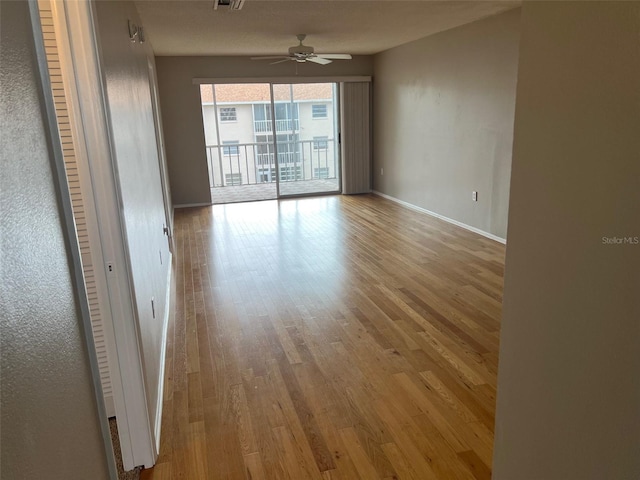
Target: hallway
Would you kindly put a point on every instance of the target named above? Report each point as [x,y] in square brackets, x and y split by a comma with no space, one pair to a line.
[325,338]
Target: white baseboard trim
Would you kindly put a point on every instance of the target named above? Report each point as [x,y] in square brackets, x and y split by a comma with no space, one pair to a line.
[109,406]
[190,205]
[163,354]
[358,193]
[442,217]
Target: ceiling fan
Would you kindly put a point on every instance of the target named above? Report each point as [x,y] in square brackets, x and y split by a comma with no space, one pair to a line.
[303,53]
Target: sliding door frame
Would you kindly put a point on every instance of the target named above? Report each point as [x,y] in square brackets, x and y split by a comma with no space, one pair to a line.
[337,133]
[336,82]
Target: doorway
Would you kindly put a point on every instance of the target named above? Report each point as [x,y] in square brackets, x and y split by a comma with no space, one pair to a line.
[248,159]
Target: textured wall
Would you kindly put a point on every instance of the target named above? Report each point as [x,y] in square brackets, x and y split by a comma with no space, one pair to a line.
[126,72]
[569,382]
[182,110]
[443,121]
[50,426]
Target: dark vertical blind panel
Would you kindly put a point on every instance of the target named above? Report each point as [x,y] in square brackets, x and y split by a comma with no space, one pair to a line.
[356,137]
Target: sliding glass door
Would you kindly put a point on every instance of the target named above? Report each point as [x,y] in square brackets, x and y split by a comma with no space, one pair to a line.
[237,125]
[265,141]
[308,150]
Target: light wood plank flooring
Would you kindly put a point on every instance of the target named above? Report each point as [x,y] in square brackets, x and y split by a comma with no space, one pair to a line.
[341,337]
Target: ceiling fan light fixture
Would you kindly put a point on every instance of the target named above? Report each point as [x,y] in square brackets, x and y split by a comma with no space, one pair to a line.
[301,50]
[304,53]
[232,4]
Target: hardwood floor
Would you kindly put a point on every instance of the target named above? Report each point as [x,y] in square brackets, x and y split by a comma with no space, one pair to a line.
[341,337]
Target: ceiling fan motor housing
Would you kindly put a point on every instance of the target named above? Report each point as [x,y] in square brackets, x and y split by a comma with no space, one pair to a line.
[303,53]
[301,50]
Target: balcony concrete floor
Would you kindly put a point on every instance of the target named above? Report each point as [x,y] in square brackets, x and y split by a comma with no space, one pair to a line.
[267,191]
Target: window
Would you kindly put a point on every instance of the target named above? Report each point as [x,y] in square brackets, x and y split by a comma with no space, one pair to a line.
[322,172]
[286,111]
[231,147]
[286,117]
[228,114]
[288,149]
[233,179]
[319,110]
[266,175]
[320,143]
[264,151]
[290,173]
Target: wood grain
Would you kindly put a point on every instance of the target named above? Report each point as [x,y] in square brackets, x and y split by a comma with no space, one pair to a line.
[326,338]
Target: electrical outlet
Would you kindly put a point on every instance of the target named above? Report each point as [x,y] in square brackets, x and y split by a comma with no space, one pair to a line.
[474,196]
[382,171]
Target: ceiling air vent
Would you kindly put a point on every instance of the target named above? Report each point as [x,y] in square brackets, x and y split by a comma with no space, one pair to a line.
[232,4]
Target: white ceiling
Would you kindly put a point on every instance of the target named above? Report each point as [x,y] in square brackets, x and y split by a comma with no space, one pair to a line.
[268,27]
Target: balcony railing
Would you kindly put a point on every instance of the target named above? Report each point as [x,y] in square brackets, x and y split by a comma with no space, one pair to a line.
[286,125]
[254,163]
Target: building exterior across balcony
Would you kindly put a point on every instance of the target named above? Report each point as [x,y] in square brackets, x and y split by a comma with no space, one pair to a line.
[239,133]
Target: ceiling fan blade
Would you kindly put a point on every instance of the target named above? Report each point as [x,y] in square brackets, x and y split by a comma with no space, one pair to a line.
[335,56]
[320,60]
[281,61]
[275,57]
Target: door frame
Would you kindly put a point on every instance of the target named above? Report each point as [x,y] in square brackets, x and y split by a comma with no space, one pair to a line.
[162,157]
[337,134]
[83,70]
[60,183]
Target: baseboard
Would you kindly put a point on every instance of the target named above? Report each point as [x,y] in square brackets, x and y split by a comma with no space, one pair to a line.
[191,205]
[109,406]
[442,217]
[163,354]
[364,192]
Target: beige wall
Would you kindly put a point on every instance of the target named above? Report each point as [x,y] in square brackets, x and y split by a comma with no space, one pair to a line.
[182,112]
[126,73]
[49,412]
[443,121]
[569,378]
